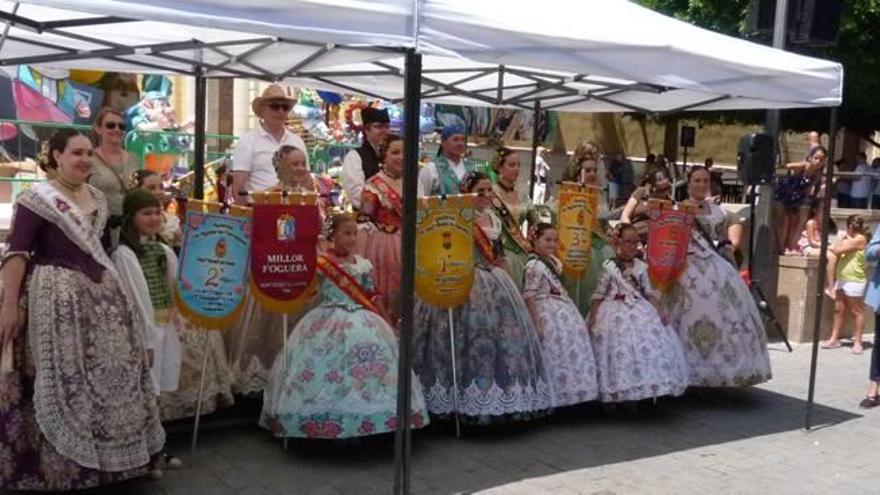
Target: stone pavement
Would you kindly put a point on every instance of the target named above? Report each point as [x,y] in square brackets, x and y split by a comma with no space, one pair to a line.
[719,442]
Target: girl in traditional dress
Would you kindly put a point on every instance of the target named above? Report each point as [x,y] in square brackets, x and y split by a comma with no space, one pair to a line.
[380,217]
[256,340]
[147,268]
[500,372]
[182,401]
[337,378]
[511,206]
[292,166]
[581,290]
[712,309]
[568,353]
[79,407]
[638,355]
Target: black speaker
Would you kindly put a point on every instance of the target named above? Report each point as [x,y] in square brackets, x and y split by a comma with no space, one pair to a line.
[810,22]
[761,16]
[754,159]
[688,136]
[817,22]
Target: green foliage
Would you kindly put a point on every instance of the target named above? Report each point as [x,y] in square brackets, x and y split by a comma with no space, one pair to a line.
[857,48]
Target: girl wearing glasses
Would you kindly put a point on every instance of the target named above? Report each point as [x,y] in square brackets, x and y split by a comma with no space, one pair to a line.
[112,166]
[638,356]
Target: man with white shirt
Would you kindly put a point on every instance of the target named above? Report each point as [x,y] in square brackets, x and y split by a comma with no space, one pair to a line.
[444,174]
[252,168]
[363,163]
[860,190]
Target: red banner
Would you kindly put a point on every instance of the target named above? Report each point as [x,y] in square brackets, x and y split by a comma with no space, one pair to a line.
[284,255]
[669,235]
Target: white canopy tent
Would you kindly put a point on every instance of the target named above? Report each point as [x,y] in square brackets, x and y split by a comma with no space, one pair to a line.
[587,56]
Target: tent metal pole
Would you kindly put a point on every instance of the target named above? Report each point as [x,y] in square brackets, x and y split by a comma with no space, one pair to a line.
[412,104]
[199,141]
[536,126]
[823,262]
[7,25]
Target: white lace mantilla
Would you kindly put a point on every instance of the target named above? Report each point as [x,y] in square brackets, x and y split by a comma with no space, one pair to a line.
[472,401]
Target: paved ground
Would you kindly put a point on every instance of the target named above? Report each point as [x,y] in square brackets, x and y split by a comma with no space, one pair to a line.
[748,441]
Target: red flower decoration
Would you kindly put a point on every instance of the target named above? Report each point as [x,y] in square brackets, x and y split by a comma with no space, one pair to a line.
[306,375]
[333,377]
[62,205]
[391,423]
[367,427]
[321,429]
[417,420]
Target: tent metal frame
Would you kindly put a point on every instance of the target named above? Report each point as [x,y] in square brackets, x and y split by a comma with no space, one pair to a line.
[418,84]
[543,85]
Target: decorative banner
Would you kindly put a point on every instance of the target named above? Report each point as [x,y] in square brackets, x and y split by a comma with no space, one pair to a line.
[213,265]
[445,250]
[669,235]
[578,216]
[285,253]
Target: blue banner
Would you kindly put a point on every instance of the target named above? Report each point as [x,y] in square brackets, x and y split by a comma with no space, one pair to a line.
[212,276]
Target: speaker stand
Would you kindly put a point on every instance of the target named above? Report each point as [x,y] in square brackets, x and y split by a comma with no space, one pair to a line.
[754,283]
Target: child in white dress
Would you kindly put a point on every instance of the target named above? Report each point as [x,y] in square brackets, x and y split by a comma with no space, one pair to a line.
[638,355]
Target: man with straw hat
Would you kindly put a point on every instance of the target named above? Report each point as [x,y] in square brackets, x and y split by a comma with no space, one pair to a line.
[363,163]
[252,168]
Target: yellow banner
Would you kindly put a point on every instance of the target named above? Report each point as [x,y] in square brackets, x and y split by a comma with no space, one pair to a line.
[578,217]
[445,250]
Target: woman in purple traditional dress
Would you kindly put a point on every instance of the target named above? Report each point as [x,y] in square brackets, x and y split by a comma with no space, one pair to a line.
[77,405]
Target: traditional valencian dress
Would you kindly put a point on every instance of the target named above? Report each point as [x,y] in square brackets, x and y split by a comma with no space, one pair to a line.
[499,367]
[568,353]
[148,279]
[340,379]
[379,239]
[715,316]
[512,207]
[256,339]
[78,408]
[638,357]
[179,346]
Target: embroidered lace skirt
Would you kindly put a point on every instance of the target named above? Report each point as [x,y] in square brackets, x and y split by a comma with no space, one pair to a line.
[499,367]
[78,410]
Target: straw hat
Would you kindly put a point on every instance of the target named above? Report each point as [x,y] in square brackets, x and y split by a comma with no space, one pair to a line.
[272,93]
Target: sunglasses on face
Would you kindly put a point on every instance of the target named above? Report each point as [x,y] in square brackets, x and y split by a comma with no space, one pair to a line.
[279,106]
[114,125]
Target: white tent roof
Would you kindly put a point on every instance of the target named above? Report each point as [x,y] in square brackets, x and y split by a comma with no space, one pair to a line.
[590,55]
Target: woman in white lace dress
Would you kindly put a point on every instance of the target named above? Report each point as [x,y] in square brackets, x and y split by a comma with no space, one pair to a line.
[711,307]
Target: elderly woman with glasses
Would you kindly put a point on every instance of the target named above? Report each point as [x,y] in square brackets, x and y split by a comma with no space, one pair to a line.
[112,166]
[252,168]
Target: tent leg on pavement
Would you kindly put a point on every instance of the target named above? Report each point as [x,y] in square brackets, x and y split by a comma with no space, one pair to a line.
[402,437]
[823,262]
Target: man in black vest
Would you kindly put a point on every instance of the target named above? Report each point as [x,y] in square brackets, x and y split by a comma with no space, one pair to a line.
[363,163]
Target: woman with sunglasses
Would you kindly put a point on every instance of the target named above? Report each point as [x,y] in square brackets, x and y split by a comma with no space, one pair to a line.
[252,168]
[112,166]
